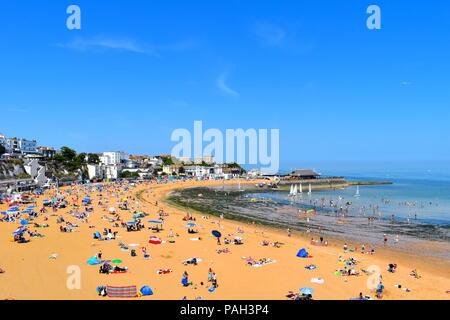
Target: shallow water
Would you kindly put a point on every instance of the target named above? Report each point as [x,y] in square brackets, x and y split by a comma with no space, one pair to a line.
[276,209]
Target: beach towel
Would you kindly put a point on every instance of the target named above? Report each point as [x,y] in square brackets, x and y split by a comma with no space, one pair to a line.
[211,289]
[311,267]
[94,261]
[164,271]
[121,292]
[155,240]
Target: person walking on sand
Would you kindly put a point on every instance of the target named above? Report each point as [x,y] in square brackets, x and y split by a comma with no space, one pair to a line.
[289,233]
[385,239]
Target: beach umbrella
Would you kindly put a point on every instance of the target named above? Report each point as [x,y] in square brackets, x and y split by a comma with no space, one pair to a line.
[306,290]
[154,221]
[24,222]
[3,212]
[117,261]
[19,232]
[191,224]
[131,222]
[216,234]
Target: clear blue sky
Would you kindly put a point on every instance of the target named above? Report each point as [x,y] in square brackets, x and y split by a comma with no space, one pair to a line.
[137,70]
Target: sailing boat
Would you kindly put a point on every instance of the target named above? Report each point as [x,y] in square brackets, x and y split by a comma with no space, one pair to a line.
[294,192]
[239,186]
[357,192]
[300,188]
[309,187]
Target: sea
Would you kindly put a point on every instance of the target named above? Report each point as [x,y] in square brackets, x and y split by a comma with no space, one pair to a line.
[415,208]
[419,189]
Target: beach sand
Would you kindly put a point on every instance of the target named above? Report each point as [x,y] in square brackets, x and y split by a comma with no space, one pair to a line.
[30,274]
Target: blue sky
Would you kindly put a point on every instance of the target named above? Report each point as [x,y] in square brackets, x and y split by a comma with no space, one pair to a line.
[137,70]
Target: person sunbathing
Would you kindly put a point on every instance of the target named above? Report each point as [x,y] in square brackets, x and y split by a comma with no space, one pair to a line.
[190,261]
[277,244]
[118,269]
[415,274]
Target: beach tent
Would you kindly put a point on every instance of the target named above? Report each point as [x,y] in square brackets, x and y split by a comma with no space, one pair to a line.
[146,291]
[302,253]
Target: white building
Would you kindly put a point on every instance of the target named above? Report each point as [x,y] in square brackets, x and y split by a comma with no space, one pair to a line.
[198,171]
[3,141]
[155,161]
[173,168]
[206,159]
[115,157]
[112,171]
[95,171]
[15,145]
[254,173]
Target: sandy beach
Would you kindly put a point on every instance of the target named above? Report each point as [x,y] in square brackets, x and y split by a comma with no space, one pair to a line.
[31,274]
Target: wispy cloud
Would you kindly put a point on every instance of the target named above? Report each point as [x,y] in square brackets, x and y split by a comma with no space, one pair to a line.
[222,85]
[124,44]
[269,33]
[97,44]
[405,83]
[16,109]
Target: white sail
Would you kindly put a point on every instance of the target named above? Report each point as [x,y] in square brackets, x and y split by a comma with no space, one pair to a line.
[295,190]
[292,190]
[357,192]
[309,187]
[300,188]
